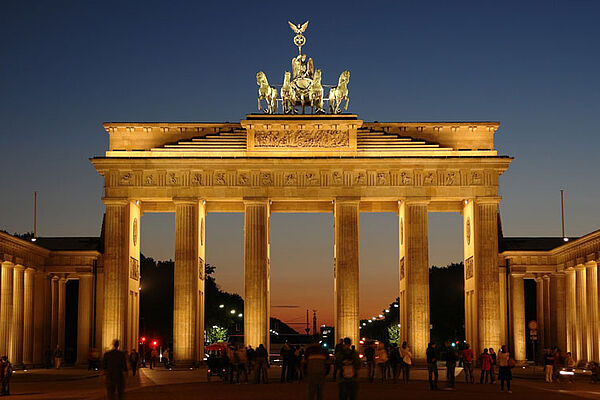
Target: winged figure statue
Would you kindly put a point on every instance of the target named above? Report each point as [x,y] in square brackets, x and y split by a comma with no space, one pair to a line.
[298,29]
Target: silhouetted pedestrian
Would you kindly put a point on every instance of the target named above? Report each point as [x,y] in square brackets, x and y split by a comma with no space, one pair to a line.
[58,357]
[347,363]
[338,347]
[6,371]
[262,363]
[114,369]
[134,359]
[315,368]
[432,371]
[486,364]
[467,360]
[370,357]
[505,363]
[406,357]
[451,358]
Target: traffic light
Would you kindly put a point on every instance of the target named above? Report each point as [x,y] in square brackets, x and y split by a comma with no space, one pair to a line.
[143,339]
[154,343]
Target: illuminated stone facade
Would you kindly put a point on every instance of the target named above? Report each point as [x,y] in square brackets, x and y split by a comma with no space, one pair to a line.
[331,164]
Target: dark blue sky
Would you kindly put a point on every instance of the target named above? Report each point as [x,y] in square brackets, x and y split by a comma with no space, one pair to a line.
[65,67]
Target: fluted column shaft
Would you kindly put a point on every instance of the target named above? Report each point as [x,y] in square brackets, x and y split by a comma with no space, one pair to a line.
[517,290]
[16,337]
[558,310]
[539,294]
[256,273]
[6,306]
[62,292]
[54,318]
[549,340]
[186,281]
[84,316]
[39,311]
[571,311]
[582,322]
[346,275]
[28,295]
[592,309]
[414,254]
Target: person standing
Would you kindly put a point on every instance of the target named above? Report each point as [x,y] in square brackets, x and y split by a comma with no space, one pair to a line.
[548,365]
[486,364]
[6,371]
[250,356]
[153,358]
[451,358]
[370,357]
[494,360]
[395,361]
[505,363]
[285,355]
[315,368]
[432,371]
[114,369]
[58,357]
[467,359]
[381,359]
[166,358]
[338,347]
[347,363]
[262,363]
[406,361]
[134,359]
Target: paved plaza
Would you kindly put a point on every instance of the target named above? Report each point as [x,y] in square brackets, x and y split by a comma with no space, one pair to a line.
[73,384]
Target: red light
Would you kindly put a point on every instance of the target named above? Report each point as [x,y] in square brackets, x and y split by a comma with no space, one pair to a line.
[143,339]
[154,343]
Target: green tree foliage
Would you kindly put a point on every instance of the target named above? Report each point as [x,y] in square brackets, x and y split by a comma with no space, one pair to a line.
[216,334]
[394,334]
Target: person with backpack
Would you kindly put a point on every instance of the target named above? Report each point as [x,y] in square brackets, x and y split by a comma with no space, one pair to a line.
[486,364]
[348,364]
[406,361]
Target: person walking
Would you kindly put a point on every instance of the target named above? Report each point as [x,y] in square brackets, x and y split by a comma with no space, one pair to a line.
[486,363]
[315,368]
[505,363]
[406,361]
[134,359]
[451,358]
[432,371]
[381,359]
[166,358]
[6,371]
[153,358]
[548,365]
[370,357]
[58,357]
[492,366]
[466,356]
[114,370]
[347,363]
[338,347]
[262,363]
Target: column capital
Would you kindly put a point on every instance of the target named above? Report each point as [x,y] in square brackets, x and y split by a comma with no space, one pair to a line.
[186,200]
[19,267]
[487,200]
[591,264]
[54,277]
[115,201]
[8,264]
[579,267]
[30,270]
[546,277]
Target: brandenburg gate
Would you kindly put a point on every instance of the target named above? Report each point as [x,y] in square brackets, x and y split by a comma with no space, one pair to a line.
[295,162]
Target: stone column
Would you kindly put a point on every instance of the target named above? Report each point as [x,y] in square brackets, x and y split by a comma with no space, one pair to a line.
[256,272]
[539,294]
[6,306]
[28,296]
[549,340]
[558,310]
[84,316]
[346,273]
[16,337]
[517,308]
[121,253]
[62,286]
[414,274]
[54,317]
[186,281]
[39,311]
[201,279]
[571,317]
[592,309]
[582,322]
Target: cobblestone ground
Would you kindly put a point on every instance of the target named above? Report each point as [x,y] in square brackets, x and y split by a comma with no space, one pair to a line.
[167,385]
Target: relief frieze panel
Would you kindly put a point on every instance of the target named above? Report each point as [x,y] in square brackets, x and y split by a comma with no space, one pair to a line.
[302,138]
